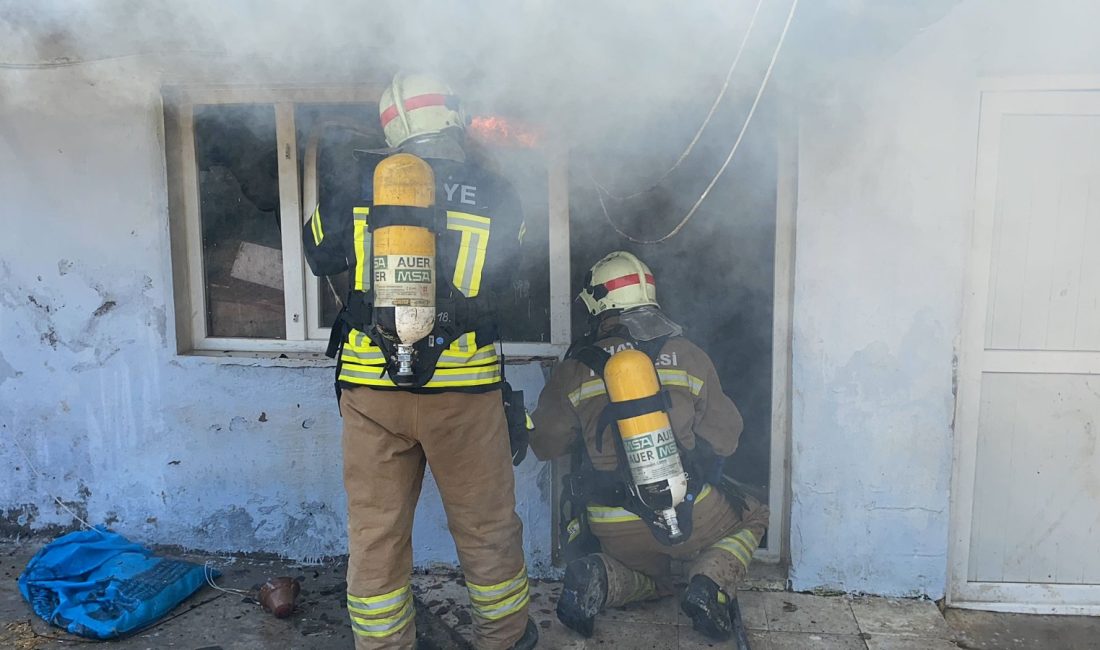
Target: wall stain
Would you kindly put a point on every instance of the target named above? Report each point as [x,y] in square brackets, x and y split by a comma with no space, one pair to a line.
[107,306]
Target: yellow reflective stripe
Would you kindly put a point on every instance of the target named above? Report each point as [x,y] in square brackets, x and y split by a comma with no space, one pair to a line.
[465,343]
[452,357]
[605,515]
[383,599]
[489,592]
[587,390]
[506,607]
[668,377]
[480,244]
[373,614]
[460,280]
[465,375]
[610,515]
[642,588]
[380,627]
[360,374]
[369,357]
[674,377]
[376,618]
[359,341]
[443,377]
[471,250]
[457,220]
[741,545]
[359,349]
[315,225]
[362,249]
[736,550]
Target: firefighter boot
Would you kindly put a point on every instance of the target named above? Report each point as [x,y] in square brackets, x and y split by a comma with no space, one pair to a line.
[529,639]
[708,607]
[583,594]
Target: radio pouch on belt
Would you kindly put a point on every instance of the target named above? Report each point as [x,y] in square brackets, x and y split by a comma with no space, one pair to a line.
[519,423]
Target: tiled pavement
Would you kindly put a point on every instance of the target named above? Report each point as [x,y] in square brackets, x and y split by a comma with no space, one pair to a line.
[776,621]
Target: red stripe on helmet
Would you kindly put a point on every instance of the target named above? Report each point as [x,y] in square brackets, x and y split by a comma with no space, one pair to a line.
[626,281]
[413,103]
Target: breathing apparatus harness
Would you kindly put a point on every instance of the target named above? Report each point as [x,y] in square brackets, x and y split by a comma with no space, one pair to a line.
[585,484]
[456,313]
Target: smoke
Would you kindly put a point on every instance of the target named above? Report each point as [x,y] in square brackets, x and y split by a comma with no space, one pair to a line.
[592,68]
[624,85]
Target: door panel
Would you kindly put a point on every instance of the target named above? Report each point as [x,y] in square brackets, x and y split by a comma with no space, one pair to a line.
[1037,480]
[1026,498]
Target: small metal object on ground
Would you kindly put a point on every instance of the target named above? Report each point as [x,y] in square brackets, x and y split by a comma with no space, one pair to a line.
[277,595]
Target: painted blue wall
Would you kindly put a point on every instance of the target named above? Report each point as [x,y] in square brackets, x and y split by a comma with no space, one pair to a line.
[886,177]
[204,453]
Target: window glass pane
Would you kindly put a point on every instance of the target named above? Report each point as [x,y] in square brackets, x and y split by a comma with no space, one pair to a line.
[333,132]
[235,147]
[525,309]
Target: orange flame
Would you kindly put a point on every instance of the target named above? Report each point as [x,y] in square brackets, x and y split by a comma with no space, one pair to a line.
[498,131]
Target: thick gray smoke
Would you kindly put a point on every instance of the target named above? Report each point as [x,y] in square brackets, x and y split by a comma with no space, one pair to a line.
[590,67]
[623,84]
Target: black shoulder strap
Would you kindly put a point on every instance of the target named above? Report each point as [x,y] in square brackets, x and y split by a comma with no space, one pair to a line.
[593,356]
[596,359]
[653,347]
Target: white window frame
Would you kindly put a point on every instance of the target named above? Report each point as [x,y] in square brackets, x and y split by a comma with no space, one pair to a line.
[305,333]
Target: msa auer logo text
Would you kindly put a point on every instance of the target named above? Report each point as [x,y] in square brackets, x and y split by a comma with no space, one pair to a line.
[417,276]
[406,269]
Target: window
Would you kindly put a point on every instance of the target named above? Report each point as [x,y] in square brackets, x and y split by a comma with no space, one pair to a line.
[244,170]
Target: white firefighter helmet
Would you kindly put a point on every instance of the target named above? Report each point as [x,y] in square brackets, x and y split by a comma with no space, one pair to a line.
[618,281]
[415,105]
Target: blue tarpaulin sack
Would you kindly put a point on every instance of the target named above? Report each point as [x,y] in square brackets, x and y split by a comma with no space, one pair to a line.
[99,584]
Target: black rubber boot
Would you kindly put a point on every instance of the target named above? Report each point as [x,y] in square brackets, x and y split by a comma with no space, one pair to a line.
[583,595]
[708,607]
[529,639]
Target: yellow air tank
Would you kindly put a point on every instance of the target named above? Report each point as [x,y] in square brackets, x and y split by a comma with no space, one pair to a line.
[404,256]
[650,444]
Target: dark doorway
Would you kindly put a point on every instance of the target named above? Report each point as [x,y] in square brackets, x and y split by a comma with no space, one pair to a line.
[716,277]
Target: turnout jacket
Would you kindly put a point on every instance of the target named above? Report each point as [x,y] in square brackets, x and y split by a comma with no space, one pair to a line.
[479,253]
[573,399]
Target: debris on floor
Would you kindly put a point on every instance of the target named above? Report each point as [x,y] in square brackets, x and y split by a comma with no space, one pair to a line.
[776,620]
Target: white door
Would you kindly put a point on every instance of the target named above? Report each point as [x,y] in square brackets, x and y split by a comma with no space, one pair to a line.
[1026,507]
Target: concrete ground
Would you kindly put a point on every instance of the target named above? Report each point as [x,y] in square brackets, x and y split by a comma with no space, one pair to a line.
[778,620]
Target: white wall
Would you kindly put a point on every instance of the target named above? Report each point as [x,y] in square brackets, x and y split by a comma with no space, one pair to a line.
[884,211]
[164,448]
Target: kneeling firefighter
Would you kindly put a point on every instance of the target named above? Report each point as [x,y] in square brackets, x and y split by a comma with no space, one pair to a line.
[428,239]
[641,411]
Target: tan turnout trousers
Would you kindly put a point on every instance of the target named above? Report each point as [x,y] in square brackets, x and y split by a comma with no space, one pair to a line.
[388,438]
[639,567]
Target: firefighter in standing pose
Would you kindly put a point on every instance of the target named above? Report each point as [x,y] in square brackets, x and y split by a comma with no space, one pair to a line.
[428,239]
[641,409]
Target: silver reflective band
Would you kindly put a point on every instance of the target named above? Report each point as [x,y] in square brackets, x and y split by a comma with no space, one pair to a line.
[504,608]
[477,592]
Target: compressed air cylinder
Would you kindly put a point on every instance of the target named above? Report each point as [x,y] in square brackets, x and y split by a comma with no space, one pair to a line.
[650,444]
[404,257]
[404,279]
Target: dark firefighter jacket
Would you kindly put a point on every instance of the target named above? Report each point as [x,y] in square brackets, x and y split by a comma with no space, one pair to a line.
[482,240]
